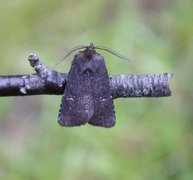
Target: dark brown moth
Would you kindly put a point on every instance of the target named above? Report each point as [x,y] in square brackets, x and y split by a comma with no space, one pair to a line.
[87,95]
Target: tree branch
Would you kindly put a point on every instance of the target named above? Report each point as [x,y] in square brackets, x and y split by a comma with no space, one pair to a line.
[48,81]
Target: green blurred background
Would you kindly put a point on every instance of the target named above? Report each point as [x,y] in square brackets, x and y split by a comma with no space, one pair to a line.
[153,137]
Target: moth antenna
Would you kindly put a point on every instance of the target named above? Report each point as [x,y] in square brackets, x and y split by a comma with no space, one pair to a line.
[70,52]
[112,52]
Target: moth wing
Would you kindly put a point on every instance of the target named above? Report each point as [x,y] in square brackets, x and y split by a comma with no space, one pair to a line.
[77,106]
[104,114]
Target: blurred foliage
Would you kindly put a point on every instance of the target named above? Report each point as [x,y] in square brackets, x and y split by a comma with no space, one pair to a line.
[152,138]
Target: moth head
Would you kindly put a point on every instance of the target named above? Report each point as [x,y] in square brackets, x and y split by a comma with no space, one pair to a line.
[89,52]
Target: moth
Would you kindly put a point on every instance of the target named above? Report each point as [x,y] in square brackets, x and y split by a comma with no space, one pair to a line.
[87,95]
